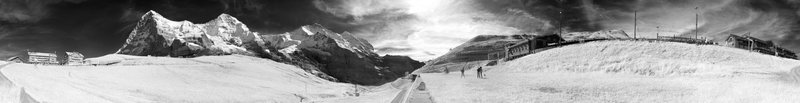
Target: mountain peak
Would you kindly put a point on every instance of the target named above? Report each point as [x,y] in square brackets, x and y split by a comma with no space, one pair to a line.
[159,36]
[152,15]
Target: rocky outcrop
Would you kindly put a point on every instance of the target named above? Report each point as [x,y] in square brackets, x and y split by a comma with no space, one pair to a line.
[322,52]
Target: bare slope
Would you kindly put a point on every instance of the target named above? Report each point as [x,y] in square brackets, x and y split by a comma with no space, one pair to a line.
[233,78]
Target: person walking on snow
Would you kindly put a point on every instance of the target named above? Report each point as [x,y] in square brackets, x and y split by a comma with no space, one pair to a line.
[462,72]
[480,72]
[446,71]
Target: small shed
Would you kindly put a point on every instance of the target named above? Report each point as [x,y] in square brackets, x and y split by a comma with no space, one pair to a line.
[15,59]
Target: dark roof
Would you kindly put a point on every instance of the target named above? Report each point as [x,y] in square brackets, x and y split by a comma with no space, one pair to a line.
[14,57]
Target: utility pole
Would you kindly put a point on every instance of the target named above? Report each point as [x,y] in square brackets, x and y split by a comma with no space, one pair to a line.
[561,17]
[658,30]
[696,19]
[560,23]
[634,25]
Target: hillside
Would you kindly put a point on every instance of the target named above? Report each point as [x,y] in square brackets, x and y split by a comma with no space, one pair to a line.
[471,54]
[233,78]
[627,71]
[474,52]
[651,58]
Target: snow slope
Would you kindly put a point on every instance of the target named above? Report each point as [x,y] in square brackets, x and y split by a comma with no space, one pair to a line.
[8,91]
[627,71]
[651,58]
[472,53]
[232,78]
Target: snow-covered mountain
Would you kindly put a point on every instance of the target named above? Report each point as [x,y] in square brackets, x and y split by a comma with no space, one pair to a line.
[342,56]
[322,52]
[158,36]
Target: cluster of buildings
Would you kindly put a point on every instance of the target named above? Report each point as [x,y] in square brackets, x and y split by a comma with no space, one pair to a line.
[67,58]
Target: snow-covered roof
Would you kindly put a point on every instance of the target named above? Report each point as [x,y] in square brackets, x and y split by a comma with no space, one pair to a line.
[12,58]
[41,54]
[74,54]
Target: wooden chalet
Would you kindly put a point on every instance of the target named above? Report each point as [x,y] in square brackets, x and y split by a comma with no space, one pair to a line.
[42,58]
[73,58]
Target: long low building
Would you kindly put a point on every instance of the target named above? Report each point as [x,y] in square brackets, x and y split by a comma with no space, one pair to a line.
[758,45]
[532,45]
[42,58]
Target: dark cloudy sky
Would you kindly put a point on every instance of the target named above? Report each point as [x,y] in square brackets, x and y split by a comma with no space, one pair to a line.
[422,29]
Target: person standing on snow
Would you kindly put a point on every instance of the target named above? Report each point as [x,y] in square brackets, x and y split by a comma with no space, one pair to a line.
[446,71]
[462,72]
[480,72]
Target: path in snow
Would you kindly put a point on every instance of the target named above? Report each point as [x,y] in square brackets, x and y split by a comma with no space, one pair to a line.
[8,91]
[416,93]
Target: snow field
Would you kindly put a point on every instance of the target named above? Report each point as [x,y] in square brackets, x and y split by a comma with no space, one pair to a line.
[233,78]
[627,71]
[650,58]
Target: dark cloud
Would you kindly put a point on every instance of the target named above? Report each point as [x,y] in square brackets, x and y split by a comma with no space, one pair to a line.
[91,27]
[27,10]
[98,27]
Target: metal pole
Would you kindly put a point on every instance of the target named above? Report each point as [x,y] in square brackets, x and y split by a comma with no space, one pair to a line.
[560,23]
[561,16]
[634,25]
[696,19]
